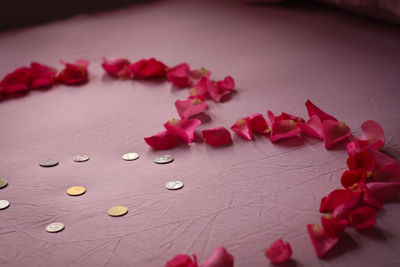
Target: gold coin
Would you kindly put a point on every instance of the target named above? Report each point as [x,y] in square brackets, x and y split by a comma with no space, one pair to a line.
[76,190]
[118,211]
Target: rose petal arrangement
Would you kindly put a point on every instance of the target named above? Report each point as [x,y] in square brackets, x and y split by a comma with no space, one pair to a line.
[372,178]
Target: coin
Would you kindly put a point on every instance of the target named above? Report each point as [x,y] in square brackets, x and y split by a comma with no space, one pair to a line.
[55,227]
[174,185]
[48,162]
[80,158]
[4,204]
[76,190]
[130,156]
[117,211]
[3,183]
[164,159]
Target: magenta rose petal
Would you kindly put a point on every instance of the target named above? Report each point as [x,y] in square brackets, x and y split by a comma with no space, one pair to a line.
[258,123]
[389,173]
[218,136]
[76,73]
[336,198]
[282,128]
[334,132]
[190,107]
[178,75]
[321,240]
[342,210]
[117,67]
[220,258]
[383,191]
[42,75]
[332,226]
[312,127]
[183,128]
[162,140]
[17,81]
[228,84]
[363,217]
[148,68]
[242,127]
[314,110]
[182,260]
[279,251]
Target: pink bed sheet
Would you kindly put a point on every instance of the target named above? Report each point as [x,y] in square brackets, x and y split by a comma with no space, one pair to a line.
[243,196]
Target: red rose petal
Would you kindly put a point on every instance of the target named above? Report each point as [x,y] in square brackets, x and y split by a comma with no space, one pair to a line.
[381,159]
[351,148]
[384,192]
[182,260]
[332,226]
[372,136]
[243,128]
[162,140]
[218,136]
[336,198]
[351,179]
[148,68]
[42,75]
[312,127]
[314,110]
[196,75]
[342,210]
[282,128]
[362,160]
[190,107]
[178,75]
[368,198]
[258,123]
[183,128]
[279,251]
[389,173]
[17,81]
[363,217]
[228,84]
[220,258]
[74,73]
[200,90]
[214,92]
[321,240]
[117,67]
[334,132]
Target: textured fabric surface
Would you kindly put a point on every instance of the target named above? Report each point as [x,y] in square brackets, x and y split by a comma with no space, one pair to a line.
[243,196]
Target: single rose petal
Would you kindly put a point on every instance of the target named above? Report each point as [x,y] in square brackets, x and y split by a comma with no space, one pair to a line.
[42,75]
[218,136]
[381,159]
[148,68]
[334,132]
[363,217]
[17,81]
[352,148]
[243,128]
[342,210]
[258,123]
[282,128]
[183,128]
[228,84]
[314,110]
[368,198]
[76,73]
[336,198]
[362,160]
[162,140]
[389,173]
[178,75]
[190,107]
[117,67]
[321,240]
[214,92]
[383,191]
[182,260]
[200,90]
[220,258]
[286,116]
[279,251]
[372,136]
[312,127]
[351,179]
[332,226]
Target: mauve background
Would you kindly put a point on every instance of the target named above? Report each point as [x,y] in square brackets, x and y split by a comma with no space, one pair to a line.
[242,196]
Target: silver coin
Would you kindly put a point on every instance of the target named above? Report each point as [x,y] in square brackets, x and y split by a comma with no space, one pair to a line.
[3,183]
[55,227]
[80,158]
[164,159]
[4,204]
[48,163]
[130,156]
[174,185]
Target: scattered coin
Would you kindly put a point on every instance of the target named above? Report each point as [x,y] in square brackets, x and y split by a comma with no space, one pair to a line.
[48,163]
[164,159]
[130,156]
[80,158]
[55,227]
[117,211]
[174,185]
[3,183]
[4,204]
[76,190]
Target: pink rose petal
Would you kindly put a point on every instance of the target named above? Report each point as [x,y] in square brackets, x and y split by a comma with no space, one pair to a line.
[282,128]
[321,240]
[228,84]
[258,123]
[332,226]
[389,173]
[381,159]
[117,67]
[182,260]
[218,136]
[190,107]
[214,92]
[183,128]
[312,127]
[200,90]
[314,110]
[148,68]
[334,132]
[336,198]
[279,251]
[351,149]
[162,140]
[178,75]
[372,136]
[220,258]
[243,128]
[363,217]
